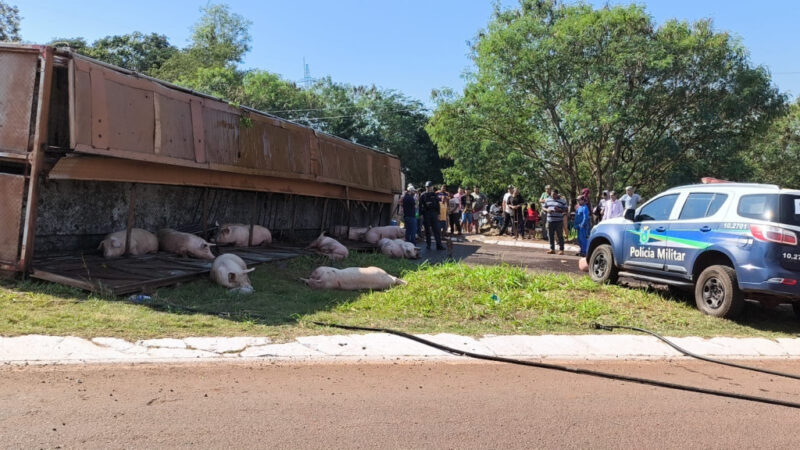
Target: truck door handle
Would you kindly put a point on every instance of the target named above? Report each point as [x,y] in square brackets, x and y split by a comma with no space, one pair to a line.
[661,229]
[705,228]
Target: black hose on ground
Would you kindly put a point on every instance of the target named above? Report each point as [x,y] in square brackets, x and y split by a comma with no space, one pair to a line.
[600,326]
[575,370]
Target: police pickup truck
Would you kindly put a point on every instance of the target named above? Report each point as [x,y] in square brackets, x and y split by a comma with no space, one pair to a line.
[725,241]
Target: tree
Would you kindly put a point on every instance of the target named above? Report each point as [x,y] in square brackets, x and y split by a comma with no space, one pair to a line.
[220,36]
[776,153]
[9,23]
[139,52]
[77,44]
[220,39]
[396,124]
[577,96]
[268,92]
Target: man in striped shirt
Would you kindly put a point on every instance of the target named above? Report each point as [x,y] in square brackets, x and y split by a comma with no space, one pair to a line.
[555,207]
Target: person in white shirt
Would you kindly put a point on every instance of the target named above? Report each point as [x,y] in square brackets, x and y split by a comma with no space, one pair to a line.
[630,201]
[600,209]
[613,207]
[507,211]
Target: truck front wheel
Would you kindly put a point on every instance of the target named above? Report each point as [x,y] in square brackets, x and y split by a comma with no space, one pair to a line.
[601,265]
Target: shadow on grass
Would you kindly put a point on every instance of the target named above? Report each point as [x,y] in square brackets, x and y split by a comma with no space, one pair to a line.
[280,298]
[777,319]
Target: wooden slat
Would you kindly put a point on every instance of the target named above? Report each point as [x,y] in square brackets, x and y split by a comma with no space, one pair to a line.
[129,274]
[37,159]
[197,131]
[100,137]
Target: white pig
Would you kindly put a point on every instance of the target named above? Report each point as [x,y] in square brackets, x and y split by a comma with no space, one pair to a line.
[329,247]
[230,271]
[351,279]
[142,241]
[356,233]
[391,232]
[184,244]
[398,248]
[238,234]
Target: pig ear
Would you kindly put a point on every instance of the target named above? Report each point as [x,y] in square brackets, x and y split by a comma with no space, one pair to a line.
[231,277]
[225,230]
[102,245]
[116,243]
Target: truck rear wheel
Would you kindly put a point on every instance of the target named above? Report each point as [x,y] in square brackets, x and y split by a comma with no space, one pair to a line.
[717,292]
[601,265]
[796,308]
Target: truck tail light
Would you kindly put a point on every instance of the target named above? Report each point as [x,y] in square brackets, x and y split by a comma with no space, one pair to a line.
[777,235]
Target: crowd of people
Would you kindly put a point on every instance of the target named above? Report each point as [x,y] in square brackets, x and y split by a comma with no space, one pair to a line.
[436,210]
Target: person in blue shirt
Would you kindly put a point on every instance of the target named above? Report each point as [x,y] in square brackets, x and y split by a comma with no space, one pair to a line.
[583,224]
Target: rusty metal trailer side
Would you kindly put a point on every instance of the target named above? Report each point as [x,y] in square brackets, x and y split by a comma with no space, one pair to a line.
[67,118]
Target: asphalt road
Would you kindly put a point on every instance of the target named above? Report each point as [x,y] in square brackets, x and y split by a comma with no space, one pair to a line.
[386,405]
[487,254]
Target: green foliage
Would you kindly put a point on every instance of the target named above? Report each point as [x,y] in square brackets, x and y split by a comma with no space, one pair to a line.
[220,36]
[378,118]
[446,298]
[775,155]
[9,23]
[139,52]
[575,97]
[267,91]
[77,44]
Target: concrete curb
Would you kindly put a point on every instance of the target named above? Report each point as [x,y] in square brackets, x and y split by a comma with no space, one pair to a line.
[37,349]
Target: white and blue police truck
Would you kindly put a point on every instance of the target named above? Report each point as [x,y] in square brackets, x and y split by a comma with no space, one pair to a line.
[727,242]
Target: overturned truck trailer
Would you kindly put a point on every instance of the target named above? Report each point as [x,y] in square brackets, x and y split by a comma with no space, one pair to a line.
[87,149]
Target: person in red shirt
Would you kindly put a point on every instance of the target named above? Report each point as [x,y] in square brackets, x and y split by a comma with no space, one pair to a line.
[531,218]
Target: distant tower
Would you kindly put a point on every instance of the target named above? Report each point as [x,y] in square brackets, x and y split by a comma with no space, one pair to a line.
[307,80]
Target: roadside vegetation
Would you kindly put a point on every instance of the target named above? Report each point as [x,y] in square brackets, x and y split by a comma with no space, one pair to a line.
[444,298]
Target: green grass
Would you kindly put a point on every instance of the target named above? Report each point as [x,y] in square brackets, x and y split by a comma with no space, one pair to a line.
[450,297]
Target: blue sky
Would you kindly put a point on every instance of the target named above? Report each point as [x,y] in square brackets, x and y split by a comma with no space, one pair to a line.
[412,46]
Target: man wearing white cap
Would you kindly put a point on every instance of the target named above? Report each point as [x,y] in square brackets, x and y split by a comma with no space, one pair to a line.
[630,201]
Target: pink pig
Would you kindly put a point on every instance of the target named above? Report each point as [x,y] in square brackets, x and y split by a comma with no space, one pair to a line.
[184,244]
[238,234]
[329,247]
[351,279]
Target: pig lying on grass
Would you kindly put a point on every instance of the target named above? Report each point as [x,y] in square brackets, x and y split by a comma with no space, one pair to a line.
[184,244]
[390,232]
[329,247]
[238,234]
[351,279]
[142,241]
[398,248]
[230,271]
[356,233]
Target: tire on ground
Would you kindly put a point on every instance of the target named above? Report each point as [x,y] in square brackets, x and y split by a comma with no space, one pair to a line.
[601,265]
[796,308]
[717,292]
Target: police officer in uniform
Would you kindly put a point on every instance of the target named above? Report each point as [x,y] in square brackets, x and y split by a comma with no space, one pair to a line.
[429,210]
